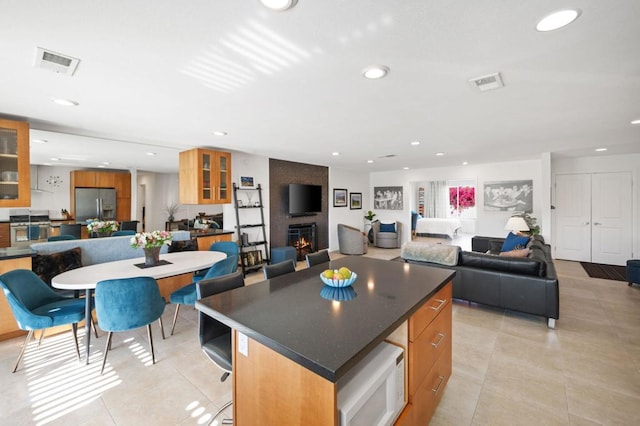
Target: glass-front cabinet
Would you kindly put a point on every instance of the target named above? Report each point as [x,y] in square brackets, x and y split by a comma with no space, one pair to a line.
[15,176]
[205,177]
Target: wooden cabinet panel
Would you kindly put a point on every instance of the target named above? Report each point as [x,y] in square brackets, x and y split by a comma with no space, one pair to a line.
[205,242]
[8,326]
[105,180]
[5,235]
[122,184]
[205,177]
[423,316]
[83,179]
[430,391]
[15,179]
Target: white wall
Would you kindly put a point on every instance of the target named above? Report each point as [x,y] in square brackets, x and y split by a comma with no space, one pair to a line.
[490,223]
[352,182]
[603,164]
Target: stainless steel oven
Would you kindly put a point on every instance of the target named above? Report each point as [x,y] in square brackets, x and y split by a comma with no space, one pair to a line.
[28,226]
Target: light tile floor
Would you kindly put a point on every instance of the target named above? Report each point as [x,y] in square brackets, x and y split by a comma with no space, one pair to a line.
[508,368]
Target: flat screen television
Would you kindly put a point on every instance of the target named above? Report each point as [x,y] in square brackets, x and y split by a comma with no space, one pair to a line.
[304,199]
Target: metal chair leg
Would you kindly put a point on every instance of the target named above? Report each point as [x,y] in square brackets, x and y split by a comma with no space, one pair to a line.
[161,327]
[153,356]
[74,330]
[41,337]
[93,324]
[106,351]
[175,318]
[24,346]
[224,421]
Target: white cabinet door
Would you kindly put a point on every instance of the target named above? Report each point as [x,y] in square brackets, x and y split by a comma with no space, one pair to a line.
[573,217]
[611,218]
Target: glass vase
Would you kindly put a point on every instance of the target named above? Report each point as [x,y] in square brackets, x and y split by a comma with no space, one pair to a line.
[151,256]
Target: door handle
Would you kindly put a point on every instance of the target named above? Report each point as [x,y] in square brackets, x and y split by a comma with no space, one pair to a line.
[585,223]
[597,223]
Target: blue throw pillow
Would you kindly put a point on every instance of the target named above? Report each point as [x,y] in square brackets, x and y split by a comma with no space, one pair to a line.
[514,241]
[387,227]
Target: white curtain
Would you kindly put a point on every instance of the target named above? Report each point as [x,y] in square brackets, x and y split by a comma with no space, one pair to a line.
[437,199]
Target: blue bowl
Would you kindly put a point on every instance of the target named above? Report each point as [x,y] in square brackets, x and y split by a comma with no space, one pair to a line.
[340,283]
[339,294]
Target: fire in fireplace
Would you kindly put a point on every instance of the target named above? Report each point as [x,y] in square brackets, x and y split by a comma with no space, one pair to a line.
[302,236]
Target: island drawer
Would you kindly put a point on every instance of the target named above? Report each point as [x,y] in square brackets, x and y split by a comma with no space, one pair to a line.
[426,350]
[423,316]
[431,389]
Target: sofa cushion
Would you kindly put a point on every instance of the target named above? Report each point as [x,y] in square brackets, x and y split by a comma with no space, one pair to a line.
[515,265]
[513,242]
[441,254]
[47,266]
[516,253]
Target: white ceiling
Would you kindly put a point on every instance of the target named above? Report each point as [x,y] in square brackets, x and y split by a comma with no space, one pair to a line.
[162,75]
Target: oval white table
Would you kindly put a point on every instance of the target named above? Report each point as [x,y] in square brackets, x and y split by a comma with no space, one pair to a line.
[170,277]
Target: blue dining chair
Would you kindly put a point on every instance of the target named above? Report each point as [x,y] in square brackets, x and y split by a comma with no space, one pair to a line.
[128,303]
[228,247]
[187,294]
[123,233]
[36,306]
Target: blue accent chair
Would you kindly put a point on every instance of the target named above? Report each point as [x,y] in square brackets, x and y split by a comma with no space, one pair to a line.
[74,229]
[187,294]
[215,337]
[36,306]
[317,258]
[62,237]
[633,271]
[128,303]
[123,233]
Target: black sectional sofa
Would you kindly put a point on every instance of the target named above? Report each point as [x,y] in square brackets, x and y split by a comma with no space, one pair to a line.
[524,284]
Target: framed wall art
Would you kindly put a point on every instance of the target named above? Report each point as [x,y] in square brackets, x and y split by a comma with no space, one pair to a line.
[387,198]
[246,181]
[339,197]
[509,195]
[355,200]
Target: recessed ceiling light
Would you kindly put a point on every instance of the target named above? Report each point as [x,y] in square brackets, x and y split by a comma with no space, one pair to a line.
[55,159]
[464,163]
[415,143]
[66,102]
[369,161]
[601,149]
[39,140]
[557,20]
[151,154]
[106,163]
[375,71]
[219,133]
[405,168]
[635,122]
[335,153]
[279,5]
[439,154]
[102,166]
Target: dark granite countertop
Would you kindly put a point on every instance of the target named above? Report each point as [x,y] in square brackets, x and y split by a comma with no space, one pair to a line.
[15,252]
[288,314]
[209,232]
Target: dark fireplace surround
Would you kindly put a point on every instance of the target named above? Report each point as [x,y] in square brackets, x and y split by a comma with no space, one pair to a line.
[281,174]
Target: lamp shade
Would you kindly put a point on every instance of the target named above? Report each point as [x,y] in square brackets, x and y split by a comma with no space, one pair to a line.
[516,224]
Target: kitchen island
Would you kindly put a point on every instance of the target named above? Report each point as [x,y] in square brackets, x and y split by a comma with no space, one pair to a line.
[299,344]
[206,237]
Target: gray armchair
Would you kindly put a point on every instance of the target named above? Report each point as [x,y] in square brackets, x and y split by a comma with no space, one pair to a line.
[384,238]
[351,240]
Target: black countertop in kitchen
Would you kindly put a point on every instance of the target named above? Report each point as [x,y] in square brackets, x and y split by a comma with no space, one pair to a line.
[15,252]
[208,232]
[288,314]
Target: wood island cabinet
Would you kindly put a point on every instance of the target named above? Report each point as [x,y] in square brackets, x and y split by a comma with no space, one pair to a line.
[205,177]
[5,235]
[15,175]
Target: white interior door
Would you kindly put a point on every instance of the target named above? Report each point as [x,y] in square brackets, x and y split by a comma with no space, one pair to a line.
[573,217]
[611,218]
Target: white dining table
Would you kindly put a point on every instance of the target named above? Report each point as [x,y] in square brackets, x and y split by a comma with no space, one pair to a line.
[87,277]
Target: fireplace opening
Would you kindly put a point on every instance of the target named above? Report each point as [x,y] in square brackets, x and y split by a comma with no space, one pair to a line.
[302,237]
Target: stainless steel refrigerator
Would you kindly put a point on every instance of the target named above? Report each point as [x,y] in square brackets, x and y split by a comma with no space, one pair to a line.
[97,203]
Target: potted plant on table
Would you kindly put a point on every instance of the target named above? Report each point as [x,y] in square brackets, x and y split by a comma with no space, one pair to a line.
[151,243]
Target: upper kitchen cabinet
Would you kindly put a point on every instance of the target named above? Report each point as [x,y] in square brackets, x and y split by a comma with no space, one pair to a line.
[15,176]
[92,179]
[205,177]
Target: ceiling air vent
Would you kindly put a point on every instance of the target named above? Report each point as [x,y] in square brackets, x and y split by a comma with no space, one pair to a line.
[487,82]
[387,156]
[56,62]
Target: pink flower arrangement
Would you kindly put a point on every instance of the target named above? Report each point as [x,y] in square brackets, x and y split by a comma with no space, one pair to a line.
[462,197]
[151,239]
